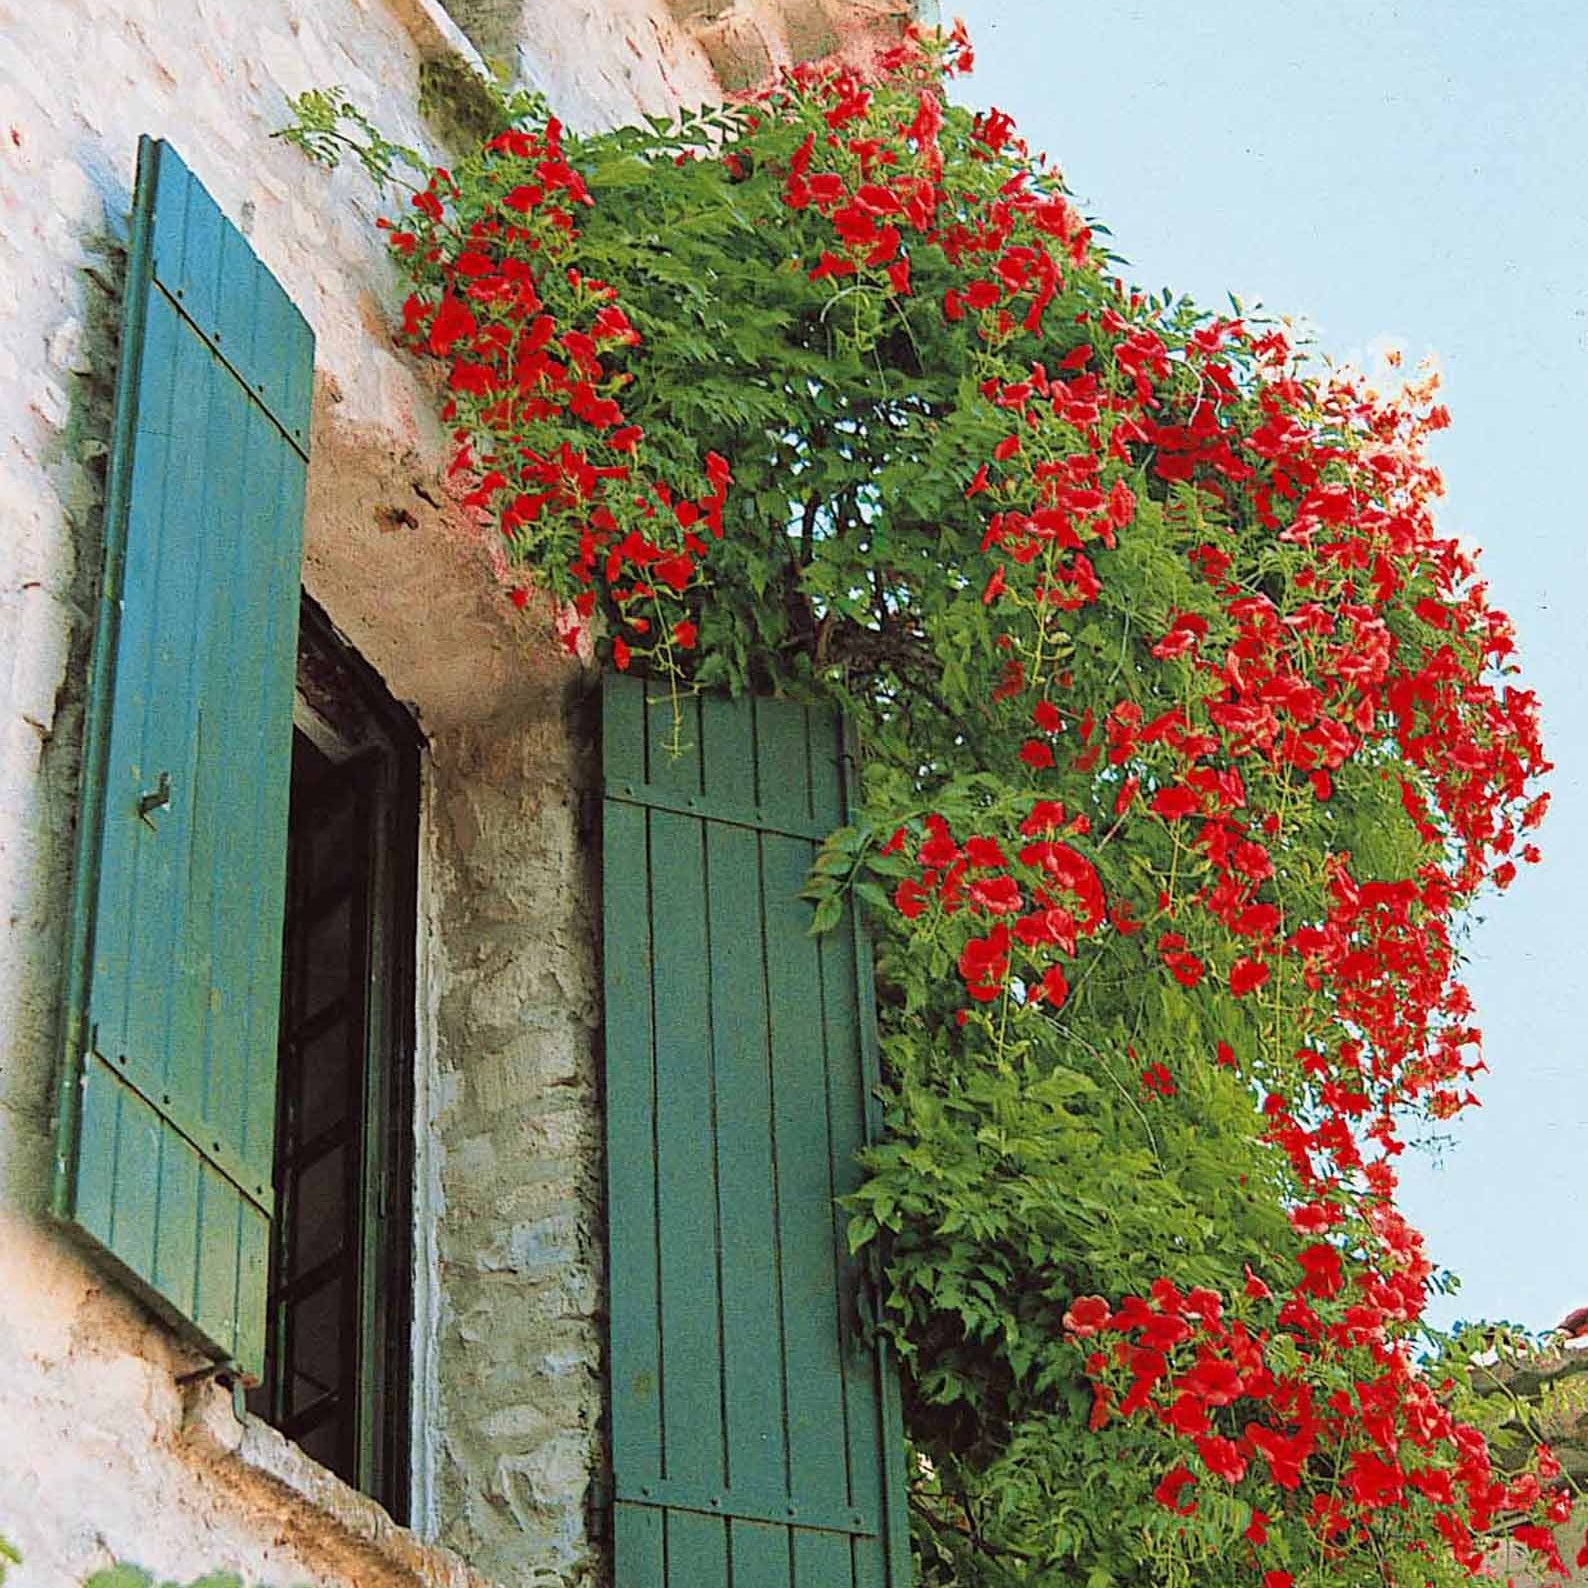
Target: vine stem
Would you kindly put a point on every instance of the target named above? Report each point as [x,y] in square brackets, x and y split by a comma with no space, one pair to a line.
[1123,1090]
[362,150]
[1003,1020]
[675,740]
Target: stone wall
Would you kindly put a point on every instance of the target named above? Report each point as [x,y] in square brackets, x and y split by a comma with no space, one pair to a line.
[103,1455]
[742,42]
[518,1128]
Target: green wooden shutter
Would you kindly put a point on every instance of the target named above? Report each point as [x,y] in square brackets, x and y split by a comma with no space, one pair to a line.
[755,1441]
[167,1111]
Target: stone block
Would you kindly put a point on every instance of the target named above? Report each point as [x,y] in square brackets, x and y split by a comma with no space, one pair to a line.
[809,30]
[693,11]
[738,53]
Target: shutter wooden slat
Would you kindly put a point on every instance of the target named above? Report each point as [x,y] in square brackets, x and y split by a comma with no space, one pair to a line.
[727,749]
[754,1387]
[826,751]
[167,745]
[783,761]
[847,1113]
[817,1453]
[686,1180]
[697,1549]
[98,1118]
[161,572]
[738,1068]
[630,1104]
[760,1554]
[623,738]
[213,1308]
[237,303]
[137,1184]
[173,988]
[868,1565]
[218,495]
[821,1560]
[176,1237]
[248,684]
[638,1542]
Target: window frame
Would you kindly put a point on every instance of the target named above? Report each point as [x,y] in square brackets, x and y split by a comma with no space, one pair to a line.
[344,708]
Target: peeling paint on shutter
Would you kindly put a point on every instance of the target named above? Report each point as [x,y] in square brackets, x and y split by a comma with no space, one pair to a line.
[755,1439]
[167,1107]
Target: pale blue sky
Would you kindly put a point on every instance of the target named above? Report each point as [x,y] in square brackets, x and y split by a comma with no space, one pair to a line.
[1416,171]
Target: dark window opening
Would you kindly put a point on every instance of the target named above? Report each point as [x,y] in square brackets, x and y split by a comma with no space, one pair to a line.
[337,1339]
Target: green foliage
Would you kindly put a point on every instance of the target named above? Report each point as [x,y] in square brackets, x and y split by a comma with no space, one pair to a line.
[327,125]
[124,1576]
[1223,1042]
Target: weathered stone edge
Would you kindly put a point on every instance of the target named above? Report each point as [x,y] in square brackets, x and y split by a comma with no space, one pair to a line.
[313,1506]
[436,34]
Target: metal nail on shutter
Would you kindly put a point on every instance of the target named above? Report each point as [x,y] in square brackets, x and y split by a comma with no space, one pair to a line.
[755,1439]
[167,1116]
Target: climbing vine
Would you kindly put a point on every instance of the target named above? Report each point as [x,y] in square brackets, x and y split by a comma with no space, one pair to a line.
[1189,736]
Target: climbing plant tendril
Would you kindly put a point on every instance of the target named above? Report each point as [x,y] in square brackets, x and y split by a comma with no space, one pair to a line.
[1188,733]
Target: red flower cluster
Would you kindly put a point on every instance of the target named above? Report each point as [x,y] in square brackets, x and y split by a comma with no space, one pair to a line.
[1390,1458]
[1020,920]
[532,348]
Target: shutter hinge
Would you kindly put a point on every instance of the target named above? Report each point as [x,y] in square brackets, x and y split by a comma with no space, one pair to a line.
[226,1373]
[155,799]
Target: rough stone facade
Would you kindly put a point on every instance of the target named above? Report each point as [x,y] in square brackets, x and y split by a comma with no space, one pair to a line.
[103,1455]
[566,49]
[517,1134]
